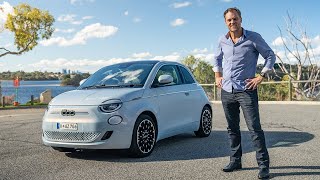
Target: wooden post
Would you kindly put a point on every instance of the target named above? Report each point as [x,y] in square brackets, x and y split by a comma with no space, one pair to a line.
[2,101]
[32,99]
[290,90]
[214,91]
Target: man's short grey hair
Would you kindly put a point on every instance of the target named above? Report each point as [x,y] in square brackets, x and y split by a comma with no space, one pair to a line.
[234,9]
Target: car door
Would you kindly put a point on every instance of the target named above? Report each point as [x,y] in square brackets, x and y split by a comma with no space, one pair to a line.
[193,99]
[172,102]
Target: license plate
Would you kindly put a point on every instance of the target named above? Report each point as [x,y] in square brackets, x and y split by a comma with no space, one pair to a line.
[67,126]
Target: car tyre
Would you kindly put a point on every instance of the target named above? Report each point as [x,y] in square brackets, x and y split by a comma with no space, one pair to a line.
[205,123]
[144,137]
[62,149]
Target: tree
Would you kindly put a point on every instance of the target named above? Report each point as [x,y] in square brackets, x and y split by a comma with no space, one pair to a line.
[299,53]
[190,62]
[202,71]
[29,25]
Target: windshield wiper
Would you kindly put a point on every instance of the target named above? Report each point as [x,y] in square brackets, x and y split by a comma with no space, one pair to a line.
[131,85]
[112,86]
[89,87]
[99,86]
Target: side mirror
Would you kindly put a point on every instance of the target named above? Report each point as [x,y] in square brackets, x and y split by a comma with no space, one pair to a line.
[165,79]
[82,81]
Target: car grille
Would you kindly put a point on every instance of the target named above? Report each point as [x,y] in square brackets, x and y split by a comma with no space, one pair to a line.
[71,136]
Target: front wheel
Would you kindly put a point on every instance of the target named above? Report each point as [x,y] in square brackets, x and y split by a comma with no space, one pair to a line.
[143,137]
[205,123]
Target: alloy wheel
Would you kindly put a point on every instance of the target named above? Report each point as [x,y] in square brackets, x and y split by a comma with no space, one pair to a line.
[206,121]
[146,136]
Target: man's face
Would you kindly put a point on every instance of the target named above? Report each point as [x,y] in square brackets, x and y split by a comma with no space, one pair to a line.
[233,21]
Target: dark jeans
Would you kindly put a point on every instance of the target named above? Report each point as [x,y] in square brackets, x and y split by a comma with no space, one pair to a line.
[248,100]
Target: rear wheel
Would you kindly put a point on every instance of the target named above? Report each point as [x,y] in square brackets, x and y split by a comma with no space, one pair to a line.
[143,137]
[205,123]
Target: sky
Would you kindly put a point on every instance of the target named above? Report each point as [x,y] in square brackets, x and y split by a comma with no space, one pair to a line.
[90,34]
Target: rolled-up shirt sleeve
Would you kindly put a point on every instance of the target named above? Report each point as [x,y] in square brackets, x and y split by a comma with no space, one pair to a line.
[217,59]
[266,52]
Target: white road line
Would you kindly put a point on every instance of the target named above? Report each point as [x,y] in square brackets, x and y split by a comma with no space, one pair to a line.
[15,115]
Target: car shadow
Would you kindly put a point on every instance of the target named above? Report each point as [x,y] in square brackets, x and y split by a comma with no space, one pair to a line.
[189,147]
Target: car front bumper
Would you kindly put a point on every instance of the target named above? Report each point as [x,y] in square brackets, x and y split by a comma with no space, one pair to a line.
[91,132]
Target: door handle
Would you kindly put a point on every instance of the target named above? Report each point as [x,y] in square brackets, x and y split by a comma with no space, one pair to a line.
[186,93]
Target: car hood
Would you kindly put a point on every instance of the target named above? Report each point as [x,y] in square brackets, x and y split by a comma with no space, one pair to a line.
[96,96]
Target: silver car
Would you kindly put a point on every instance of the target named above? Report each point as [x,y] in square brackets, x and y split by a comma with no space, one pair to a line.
[130,106]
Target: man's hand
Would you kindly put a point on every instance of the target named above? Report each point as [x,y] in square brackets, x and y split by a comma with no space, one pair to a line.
[219,82]
[253,83]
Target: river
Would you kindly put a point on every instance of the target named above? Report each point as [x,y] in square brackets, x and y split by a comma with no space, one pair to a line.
[35,88]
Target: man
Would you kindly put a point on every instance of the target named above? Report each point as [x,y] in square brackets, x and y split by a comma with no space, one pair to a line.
[239,50]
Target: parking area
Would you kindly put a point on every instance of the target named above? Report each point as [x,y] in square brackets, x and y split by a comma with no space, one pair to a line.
[292,134]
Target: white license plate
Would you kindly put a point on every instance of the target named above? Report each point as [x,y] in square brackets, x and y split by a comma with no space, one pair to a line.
[67,126]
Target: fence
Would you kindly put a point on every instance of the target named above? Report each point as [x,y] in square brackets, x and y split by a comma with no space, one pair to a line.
[272,90]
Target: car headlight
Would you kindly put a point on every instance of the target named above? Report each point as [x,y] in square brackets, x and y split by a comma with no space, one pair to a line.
[110,106]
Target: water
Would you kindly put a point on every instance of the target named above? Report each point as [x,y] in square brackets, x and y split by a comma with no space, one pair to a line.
[35,88]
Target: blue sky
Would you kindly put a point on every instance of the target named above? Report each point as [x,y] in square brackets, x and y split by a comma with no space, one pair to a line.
[93,33]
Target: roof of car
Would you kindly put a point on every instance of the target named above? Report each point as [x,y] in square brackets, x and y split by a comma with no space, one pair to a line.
[149,61]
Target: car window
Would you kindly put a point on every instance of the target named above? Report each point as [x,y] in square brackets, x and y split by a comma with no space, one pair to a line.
[130,74]
[186,75]
[168,70]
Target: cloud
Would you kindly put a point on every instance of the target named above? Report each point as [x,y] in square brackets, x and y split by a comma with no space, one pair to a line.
[126,13]
[5,9]
[316,40]
[73,64]
[279,41]
[64,30]
[287,57]
[290,58]
[87,17]
[178,22]
[313,41]
[141,55]
[8,45]
[74,2]
[87,65]
[227,1]
[136,19]
[181,5]
[66,18]
[205,50]
[206,57]
[92,65]
[70,18]
[91,31]
[172,57]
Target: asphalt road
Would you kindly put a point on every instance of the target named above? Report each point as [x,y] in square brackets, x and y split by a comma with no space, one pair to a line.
[292,134]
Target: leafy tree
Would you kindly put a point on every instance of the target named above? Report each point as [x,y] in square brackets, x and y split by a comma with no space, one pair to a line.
[29,25]
[202,71]
[190,62]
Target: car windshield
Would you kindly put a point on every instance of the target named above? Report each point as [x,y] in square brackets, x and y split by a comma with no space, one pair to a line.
[130,74]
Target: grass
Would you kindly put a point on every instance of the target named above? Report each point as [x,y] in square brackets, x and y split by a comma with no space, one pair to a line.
[27,105]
